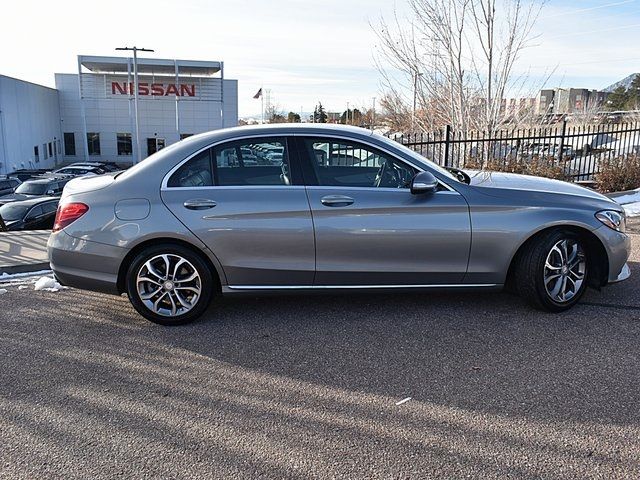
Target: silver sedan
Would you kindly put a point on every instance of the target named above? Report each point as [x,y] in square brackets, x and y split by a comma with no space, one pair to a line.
[342,209]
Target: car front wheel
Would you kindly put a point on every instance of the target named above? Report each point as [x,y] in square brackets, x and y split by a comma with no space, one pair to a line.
[169,284]
[552,273]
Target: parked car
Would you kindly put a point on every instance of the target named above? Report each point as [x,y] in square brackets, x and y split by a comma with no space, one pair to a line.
[106,166]
[274,158]
[34,214]
[181,227]
[8,184]
[80,170]
[27,174]
[39,187]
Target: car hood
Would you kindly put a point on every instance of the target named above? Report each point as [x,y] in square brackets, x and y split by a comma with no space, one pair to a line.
[14,197]
[11,223]
[529,183]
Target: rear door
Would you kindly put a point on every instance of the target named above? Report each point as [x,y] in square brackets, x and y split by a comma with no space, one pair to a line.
[370,230]
[251,212]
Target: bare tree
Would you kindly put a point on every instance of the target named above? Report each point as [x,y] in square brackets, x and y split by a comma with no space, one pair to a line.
[456,58]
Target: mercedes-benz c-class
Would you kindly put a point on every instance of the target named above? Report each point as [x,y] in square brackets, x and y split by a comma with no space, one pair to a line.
[338,208]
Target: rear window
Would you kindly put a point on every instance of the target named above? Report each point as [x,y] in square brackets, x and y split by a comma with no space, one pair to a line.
[194,173]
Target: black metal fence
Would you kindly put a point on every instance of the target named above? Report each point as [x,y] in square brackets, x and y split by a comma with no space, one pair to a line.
[577,152]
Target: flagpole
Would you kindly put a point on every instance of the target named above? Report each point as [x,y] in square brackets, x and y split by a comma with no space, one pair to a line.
[262,103]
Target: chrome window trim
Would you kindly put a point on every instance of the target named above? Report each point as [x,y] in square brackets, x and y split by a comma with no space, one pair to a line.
[236,187]
[165,179]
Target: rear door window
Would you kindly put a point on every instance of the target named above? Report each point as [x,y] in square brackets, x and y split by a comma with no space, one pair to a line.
[34,212]
[255,161]
[49,207]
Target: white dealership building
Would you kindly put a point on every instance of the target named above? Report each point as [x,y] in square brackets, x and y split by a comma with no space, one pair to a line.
[91,115]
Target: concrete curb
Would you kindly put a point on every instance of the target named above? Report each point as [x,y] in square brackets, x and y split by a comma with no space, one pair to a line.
[24,251]
[24,268]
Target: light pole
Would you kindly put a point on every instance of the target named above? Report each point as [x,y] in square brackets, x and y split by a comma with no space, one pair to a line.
[347,120]
[373,114]
[135,94]
[415,97]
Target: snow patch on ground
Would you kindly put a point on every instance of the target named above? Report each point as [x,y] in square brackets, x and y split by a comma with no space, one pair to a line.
[48,284]
[11,276]
[3,291]
[630,201]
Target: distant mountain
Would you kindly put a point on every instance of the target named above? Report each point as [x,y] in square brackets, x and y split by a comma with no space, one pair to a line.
[625,82]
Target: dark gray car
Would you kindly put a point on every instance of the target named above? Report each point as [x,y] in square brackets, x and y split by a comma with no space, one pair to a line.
[344,209]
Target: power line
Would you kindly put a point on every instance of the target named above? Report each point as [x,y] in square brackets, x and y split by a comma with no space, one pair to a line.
[587,63]
[580,10]
[593,31]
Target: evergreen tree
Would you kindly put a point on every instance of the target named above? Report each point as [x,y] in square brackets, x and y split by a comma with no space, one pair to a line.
[618,99]
[633,94]
[319,114]
[293,117]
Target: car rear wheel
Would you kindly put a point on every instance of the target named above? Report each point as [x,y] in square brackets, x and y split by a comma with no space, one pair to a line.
[169,284]
[552,273]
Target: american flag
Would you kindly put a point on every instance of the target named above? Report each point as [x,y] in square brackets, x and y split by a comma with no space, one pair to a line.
[259,94]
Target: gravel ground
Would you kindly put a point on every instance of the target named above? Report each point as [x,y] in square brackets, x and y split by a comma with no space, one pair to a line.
[307,387]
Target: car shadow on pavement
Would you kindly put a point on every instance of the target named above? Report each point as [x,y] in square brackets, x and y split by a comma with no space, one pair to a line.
[307,386]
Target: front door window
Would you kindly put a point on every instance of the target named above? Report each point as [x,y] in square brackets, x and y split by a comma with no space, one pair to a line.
[339,163]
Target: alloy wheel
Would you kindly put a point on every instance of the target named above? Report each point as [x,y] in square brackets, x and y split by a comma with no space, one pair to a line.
[565,270]
[169,285]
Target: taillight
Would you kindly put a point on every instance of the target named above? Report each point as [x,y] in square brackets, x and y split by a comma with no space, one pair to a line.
[69,213]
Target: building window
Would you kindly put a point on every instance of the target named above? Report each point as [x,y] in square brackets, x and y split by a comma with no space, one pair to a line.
[59,150]
[124,144]
[36,154]
[185,135]
[93,143]
[44,151]
[70,144]
[50,149]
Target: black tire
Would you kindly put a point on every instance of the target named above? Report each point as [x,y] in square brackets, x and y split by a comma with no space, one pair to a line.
[204,281]
[530,270]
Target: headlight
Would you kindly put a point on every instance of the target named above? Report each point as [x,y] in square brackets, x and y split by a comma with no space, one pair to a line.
[612,219]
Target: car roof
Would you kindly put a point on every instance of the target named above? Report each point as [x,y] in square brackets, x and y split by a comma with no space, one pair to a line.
[162,161]
[30,202]
[43,180]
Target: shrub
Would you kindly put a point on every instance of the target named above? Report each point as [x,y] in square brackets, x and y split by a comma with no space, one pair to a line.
[618,174]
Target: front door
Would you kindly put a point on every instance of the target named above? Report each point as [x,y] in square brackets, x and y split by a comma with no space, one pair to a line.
[251,212]
[370,230]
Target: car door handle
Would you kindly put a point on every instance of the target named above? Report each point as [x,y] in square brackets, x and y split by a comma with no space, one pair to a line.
[336,200]
[199,204]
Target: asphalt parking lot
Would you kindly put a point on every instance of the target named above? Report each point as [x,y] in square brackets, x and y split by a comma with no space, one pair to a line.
[306,387]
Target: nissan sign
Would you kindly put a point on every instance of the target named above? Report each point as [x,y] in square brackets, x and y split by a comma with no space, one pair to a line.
[154,89]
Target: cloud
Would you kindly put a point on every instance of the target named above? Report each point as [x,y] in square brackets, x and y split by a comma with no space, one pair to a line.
[304,51]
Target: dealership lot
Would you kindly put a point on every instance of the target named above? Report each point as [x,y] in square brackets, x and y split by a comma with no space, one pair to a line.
[306,387]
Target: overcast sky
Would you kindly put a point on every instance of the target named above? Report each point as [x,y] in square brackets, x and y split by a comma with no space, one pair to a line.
[303,50]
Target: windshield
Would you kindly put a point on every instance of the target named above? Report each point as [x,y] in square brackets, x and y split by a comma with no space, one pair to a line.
[10,212]
[32,188]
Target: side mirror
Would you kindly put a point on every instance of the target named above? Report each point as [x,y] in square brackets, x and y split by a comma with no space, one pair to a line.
[423,182]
